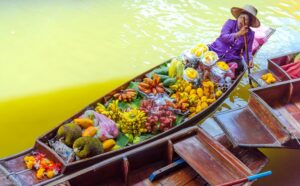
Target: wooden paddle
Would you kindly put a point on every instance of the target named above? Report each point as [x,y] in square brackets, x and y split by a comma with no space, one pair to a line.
[247,54]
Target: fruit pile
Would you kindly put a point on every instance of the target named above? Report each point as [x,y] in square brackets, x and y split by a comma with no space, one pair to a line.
[125,95]
[133,122]
[44,166]
[149,105]
[160,118]
[268,78]
[153,86]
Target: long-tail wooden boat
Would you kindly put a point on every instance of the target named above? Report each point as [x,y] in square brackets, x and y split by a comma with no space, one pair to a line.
[271,119]
[207,162]
[275,67]
[14,165]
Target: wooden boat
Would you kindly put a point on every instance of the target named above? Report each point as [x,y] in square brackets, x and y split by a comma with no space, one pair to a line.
[14,165]
[274,67]
[207,162]
[271,119]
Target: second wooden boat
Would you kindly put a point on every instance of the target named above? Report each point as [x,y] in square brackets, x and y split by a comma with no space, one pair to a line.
[275,67]
[271,119]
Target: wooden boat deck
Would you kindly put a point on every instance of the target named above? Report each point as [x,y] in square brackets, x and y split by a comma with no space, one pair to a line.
[271,119]
[274,67]
[289,114]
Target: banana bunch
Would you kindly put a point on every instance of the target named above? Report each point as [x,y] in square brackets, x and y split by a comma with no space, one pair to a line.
[151,85]
[198,99]
[133,122]
[125,95]
[112,111]
[181,85]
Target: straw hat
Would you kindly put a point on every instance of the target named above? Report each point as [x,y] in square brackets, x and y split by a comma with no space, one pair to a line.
[251,10]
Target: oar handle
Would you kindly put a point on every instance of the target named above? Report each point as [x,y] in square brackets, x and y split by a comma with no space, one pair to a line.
[247,54]
[248,179]
[260,175]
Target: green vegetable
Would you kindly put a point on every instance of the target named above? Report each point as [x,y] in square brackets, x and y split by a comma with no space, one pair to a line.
[163,77]
[161,71]
[68,133]
[168,82]
[85,147]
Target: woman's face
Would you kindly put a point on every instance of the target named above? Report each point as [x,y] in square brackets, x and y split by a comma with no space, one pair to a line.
[241,18]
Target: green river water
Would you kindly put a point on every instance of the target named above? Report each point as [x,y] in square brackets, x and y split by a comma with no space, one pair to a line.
[58,56]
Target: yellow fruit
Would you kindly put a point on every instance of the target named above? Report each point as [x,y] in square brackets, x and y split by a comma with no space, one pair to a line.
[90,131]
[188,89]
[193,91]
[199,92]
[50,174]
[116,147]
[219,93]
[83,122]
[108,144]
[209,101]
[203,99]
[40,173]
[198,108]
[204,105]
[192,109]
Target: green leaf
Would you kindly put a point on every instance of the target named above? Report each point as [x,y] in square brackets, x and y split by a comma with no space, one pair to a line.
[123,105]
[144,137]
[122,140]
[136,102]
[133,85]
[179,119]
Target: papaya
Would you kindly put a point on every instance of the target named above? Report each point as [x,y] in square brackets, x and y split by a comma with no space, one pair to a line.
[90,131]
[108,144]
[168,82]
[83,122]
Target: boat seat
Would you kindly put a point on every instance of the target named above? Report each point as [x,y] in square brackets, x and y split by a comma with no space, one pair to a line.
[213,162]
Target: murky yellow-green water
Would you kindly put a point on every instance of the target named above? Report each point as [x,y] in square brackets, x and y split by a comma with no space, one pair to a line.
[58,56]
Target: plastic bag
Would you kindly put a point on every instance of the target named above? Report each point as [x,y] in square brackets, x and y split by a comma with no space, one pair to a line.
[62,150]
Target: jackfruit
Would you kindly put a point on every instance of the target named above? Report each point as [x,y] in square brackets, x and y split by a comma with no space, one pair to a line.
[68,133]
[85,147]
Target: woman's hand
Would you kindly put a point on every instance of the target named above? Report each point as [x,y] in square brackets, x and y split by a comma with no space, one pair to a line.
[244,30]
[250,65]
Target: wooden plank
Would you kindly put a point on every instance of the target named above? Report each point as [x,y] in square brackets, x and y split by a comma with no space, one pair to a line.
[209,165]
[180,177]
[287,115]
[245,129]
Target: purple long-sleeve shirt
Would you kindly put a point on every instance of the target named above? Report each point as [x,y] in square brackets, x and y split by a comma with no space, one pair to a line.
[227,47]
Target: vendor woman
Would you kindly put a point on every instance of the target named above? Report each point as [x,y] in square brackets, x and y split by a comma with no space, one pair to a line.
[230,45]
